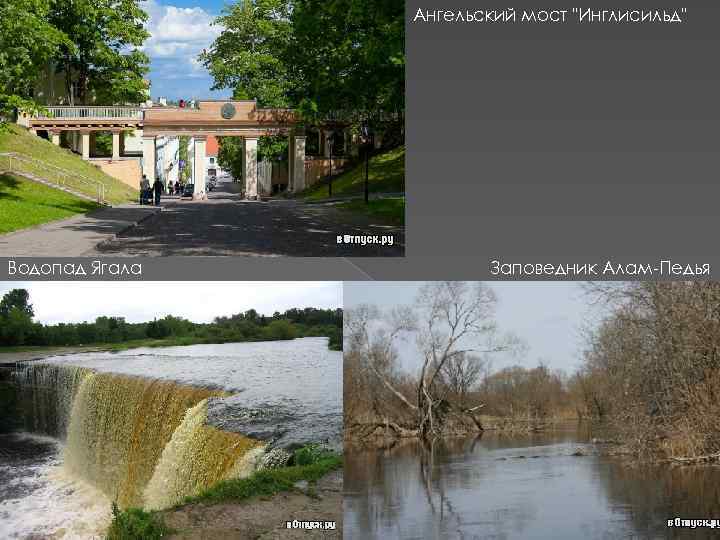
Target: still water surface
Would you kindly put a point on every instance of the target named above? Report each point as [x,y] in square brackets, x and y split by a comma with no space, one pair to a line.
[520,487]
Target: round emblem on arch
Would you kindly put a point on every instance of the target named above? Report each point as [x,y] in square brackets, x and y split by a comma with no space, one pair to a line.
[227,111]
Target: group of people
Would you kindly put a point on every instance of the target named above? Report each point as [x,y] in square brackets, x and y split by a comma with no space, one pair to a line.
[153,193]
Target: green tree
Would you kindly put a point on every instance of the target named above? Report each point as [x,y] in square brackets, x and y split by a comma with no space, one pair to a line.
[27,43]
[183,141]
[17,325]
[325,58]
[16,315]
[16,299]
[230,156]
[351,54]
[249,56]
[103,59]
[282,329]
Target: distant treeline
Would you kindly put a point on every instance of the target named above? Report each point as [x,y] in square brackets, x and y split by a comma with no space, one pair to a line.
[17,327]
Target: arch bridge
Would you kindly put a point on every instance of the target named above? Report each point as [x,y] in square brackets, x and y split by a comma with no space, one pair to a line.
[219,118]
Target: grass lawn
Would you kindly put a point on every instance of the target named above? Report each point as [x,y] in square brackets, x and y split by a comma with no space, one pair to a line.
[24,203]
[17,139]
[267,482]
[137,524]
[391,210]
[386,175]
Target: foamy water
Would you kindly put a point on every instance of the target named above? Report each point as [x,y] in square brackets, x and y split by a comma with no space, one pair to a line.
[38,499]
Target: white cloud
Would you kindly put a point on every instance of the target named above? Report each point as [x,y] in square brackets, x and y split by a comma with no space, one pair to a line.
[56,302]
[177,36]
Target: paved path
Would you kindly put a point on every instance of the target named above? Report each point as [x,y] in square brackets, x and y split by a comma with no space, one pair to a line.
[226,225]
[73,237]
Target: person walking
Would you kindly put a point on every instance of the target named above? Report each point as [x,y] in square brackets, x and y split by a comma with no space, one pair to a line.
[158,188]
[144,188]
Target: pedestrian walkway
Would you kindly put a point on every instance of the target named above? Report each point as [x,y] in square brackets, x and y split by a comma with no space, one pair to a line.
[74,237]
[226,225]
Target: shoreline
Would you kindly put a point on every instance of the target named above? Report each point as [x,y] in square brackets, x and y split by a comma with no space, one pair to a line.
[11,355]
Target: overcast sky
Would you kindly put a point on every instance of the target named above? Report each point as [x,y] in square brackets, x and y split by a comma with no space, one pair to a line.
[547,316]
[199,302]
[180,30]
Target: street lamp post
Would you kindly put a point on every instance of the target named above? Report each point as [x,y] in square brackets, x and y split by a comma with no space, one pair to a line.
[330,145]
[366,133]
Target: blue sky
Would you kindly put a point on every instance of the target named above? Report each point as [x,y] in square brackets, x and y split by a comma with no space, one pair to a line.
[180,30]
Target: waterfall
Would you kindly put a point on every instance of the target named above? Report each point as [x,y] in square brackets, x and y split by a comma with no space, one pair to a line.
[47,396]
[143,442]
[198,455]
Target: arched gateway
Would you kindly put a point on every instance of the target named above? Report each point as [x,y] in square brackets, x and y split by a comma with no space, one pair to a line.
[219,118]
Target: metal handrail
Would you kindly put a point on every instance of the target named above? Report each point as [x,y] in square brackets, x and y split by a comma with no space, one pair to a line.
[90,112]
[61,177]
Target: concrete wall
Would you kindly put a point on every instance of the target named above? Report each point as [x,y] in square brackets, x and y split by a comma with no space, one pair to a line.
[318,168]
[128,171]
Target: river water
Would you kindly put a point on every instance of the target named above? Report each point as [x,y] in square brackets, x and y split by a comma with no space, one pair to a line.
[520,487]
[285,393]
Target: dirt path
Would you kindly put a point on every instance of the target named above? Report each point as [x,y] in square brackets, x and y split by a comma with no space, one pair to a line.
[263,518]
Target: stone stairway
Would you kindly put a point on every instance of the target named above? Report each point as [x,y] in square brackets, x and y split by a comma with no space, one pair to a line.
[54,185]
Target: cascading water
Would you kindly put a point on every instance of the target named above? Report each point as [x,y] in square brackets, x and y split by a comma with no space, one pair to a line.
[48,395]
[148,427]
[143,442]
[197,456]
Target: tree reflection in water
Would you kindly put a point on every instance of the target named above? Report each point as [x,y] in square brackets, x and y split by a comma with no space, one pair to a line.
[518,487]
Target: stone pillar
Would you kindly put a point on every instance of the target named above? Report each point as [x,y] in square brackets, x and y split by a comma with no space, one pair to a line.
[55,137]
[298,163]
[115,145]
[250,169]
[199,167]
[291,162]
[85,144]
[242,161]
[149,158]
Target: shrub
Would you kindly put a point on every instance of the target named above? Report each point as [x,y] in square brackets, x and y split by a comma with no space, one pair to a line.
[136,524]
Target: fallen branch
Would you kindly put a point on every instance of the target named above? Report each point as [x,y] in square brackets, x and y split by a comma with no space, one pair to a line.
[696,459]
[370,428]
[475,408]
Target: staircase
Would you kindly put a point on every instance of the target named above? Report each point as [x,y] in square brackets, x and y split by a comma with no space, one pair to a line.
[52,176]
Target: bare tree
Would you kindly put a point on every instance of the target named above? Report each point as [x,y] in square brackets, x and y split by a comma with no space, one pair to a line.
[455,332]
[462,373]
[653,365]
[457,319]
